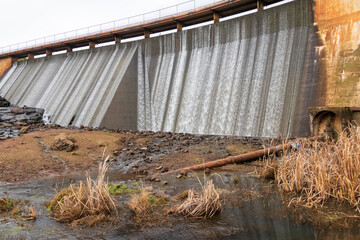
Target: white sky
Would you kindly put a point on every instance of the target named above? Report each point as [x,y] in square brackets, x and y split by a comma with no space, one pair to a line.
[22,20]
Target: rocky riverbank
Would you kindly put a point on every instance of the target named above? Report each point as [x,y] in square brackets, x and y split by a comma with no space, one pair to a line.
[131,152]
[15,121]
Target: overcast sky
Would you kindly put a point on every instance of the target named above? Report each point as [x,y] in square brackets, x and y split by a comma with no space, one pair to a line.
[22,20]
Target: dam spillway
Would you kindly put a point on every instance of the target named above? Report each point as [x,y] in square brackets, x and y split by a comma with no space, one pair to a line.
[76,88]
[247,76]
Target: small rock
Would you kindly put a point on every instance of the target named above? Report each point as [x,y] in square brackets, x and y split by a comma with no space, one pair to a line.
[150,188]
[20,123]
[156,180]
[17,110]
[165,182]
[6,125]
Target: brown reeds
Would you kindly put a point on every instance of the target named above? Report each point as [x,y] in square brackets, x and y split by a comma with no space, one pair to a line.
[320,170]
[139,203]
[204,204]
[91,198]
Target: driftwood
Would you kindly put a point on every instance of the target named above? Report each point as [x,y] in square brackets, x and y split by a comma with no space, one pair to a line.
[246,157]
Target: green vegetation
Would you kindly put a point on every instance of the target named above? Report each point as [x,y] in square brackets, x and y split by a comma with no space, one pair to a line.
[117,189]
[7,204]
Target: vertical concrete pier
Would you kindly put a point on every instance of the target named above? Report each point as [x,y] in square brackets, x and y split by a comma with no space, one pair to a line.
[117,39]
[69,49]
[179,27]
[216,17]
[92,44]
[146,34]
[48,52]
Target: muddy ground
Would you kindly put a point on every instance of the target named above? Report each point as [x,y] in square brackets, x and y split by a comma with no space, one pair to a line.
[31,156]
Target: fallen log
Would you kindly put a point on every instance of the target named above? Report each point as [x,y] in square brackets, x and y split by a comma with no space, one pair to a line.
[246,157]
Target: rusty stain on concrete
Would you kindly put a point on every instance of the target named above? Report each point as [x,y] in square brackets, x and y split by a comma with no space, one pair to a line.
[5,64]
[338,23]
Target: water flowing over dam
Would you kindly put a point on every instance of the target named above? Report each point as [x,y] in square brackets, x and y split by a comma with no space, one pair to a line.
[76,88]
[249,76]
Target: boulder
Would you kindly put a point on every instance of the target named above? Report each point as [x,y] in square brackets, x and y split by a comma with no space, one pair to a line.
[64,143]
[4,102]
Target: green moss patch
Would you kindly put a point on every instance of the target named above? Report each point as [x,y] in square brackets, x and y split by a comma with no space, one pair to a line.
[118,189]
[7,204]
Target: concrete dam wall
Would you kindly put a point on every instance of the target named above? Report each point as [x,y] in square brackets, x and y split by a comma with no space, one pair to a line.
[74,89]
[250,76]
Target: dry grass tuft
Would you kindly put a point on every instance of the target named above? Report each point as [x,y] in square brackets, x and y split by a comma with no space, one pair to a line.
[84,200]
[201,205]
[181,196]
[140,203]
[148,207]
[319,171]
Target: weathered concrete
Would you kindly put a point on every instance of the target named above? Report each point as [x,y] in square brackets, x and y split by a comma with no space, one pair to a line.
[338,23]
[69,49]
[216,17]
[146,34]
[179,27]
[338,118]
[5,64]
[122,112]
[117,39]
[91,44]
[48,52]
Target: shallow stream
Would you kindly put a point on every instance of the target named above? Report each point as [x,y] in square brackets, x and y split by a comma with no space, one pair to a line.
[252,210]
